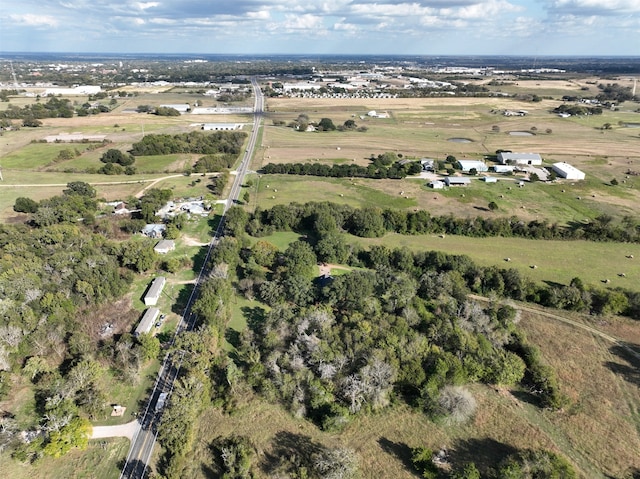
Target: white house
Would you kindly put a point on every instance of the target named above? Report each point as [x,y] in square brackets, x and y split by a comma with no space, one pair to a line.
[148,318]
[565,170]
[155,290]
[164,246]
[519,158]
[428,164]
[467,165]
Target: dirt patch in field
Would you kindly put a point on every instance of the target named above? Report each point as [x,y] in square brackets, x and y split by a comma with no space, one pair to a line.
[119,315]
[191,241]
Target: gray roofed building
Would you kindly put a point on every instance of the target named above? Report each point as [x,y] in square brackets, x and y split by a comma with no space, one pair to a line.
[457,181]
[164,246]
[155,290]
[148,318]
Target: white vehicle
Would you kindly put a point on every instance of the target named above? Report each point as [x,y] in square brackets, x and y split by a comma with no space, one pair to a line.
[161,400]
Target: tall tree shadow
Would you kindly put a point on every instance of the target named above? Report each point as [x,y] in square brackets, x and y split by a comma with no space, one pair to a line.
[255,317]
[291,453]
[629,365]
[400,451]
[486,453]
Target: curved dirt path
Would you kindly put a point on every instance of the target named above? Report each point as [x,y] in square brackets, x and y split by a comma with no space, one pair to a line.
[577,324]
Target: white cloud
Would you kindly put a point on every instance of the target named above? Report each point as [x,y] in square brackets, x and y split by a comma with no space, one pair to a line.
[593,7]
[32,20]
[146,5]
[302,22]
[259,15]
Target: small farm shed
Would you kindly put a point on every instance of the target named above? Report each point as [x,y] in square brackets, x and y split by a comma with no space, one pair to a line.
[164,246]
[155,290]
[436,184]
[457,181]
[570,172]
[467,165]
[503,168]
[148,318]
[519,158]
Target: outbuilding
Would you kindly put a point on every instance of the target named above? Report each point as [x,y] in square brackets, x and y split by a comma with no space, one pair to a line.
[519,158]
[457,181]
[467,165]
[148,318]
[503,168]
[155,290]
[164,246]
[490,179]
[567,171]
[436,184]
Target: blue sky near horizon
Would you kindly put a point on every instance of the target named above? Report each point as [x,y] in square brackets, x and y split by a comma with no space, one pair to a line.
[412,27]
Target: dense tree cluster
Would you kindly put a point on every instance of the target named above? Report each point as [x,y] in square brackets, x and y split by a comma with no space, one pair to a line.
[614,92]
[54,107]
[194,142]
[578,110]
[379,168]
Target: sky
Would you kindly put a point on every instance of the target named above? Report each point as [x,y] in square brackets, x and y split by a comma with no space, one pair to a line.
[412,27]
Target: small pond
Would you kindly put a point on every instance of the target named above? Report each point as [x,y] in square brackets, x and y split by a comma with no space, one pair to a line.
[521,133]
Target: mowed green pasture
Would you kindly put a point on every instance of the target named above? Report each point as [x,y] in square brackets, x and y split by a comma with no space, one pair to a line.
[269,190]
[37,155]
[555,261]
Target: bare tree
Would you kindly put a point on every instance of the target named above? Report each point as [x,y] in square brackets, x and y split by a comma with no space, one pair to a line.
[457,403]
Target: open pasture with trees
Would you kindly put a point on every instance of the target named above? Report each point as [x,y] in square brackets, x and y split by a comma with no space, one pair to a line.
[365,373]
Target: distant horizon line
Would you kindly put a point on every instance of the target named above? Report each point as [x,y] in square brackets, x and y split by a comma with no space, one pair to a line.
[191,54]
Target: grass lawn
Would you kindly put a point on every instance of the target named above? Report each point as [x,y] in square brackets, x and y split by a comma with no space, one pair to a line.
[281,239]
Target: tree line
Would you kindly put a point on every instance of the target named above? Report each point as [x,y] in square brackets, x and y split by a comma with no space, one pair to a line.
[379,168]
[374,222]
[324,224]
[229,142]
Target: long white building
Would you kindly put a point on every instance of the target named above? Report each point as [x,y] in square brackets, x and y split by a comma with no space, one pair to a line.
[570,172]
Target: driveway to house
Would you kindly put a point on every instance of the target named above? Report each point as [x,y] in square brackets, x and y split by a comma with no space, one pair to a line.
[121,430]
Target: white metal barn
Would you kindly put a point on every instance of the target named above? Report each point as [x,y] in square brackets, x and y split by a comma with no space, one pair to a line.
[520,158]
[467,165]
[570,172]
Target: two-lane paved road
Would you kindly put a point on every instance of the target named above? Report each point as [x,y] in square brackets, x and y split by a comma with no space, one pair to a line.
[144,440]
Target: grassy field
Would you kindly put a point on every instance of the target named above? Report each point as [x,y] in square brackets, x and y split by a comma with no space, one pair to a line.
[557,261]
[100,460]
